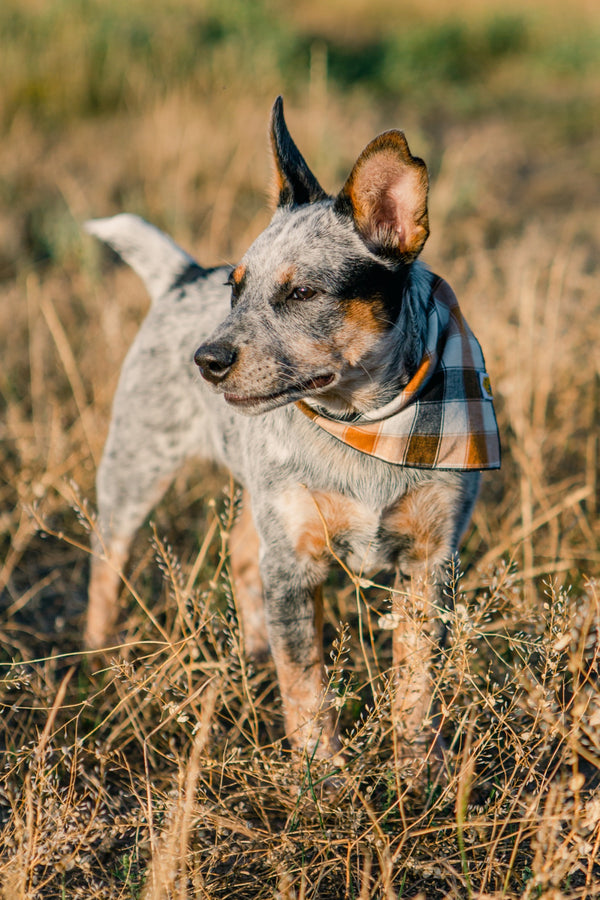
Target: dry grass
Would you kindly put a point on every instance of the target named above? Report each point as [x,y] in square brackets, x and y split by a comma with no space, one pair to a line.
[165,774]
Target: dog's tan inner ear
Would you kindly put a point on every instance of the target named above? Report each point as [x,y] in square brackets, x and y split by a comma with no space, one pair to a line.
[387,193]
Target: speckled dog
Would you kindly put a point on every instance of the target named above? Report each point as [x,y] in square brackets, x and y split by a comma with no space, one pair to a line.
[348,397]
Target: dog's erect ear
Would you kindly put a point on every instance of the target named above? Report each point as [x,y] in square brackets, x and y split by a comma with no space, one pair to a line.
[386,195]
[295,184]
[151,253]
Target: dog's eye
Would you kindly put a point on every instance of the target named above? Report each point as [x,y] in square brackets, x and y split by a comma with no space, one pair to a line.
[302,293]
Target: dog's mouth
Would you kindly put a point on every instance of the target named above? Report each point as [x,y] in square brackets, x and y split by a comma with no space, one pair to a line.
[294,391]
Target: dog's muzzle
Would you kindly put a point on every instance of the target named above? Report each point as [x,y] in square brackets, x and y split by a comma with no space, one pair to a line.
[215,361]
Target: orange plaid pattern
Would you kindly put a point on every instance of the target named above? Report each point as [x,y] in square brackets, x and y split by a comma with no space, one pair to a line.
[444,418]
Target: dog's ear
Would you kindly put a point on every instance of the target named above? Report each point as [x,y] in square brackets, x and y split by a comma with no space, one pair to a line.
[151,253]
[386,195]
[295,184]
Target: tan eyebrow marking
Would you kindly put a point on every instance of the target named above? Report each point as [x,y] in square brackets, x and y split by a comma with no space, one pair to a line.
[286,274]
[238,274]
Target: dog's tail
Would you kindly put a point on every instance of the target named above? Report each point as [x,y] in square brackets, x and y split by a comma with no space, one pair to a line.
[157,259]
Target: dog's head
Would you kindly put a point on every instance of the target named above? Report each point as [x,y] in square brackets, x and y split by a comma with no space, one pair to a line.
[316,296]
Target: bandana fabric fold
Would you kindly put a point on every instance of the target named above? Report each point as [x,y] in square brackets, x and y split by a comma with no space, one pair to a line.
[444,418]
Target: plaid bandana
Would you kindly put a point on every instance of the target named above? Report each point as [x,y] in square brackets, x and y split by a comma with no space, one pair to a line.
[444,418]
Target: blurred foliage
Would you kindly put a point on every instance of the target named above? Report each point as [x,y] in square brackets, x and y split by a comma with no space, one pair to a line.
[416,58]
[74,58]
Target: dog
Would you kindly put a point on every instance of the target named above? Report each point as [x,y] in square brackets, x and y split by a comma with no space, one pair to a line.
[342,388]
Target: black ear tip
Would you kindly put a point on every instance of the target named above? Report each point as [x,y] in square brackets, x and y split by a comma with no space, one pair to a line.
[277,110]
[278,126]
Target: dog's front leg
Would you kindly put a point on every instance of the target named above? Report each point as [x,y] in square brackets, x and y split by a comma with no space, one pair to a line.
[416,641]
[295,623]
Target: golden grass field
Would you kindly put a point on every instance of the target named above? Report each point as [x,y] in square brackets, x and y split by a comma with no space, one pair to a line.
[165,773]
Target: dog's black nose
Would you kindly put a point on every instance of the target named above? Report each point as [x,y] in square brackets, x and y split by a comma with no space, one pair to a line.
[215,361]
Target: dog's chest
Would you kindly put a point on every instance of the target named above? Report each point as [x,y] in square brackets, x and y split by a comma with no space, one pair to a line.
[414,530]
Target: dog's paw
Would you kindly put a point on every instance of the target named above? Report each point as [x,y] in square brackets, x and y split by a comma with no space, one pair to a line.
[424,764]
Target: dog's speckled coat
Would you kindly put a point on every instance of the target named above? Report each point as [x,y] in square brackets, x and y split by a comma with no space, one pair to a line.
[327,304]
